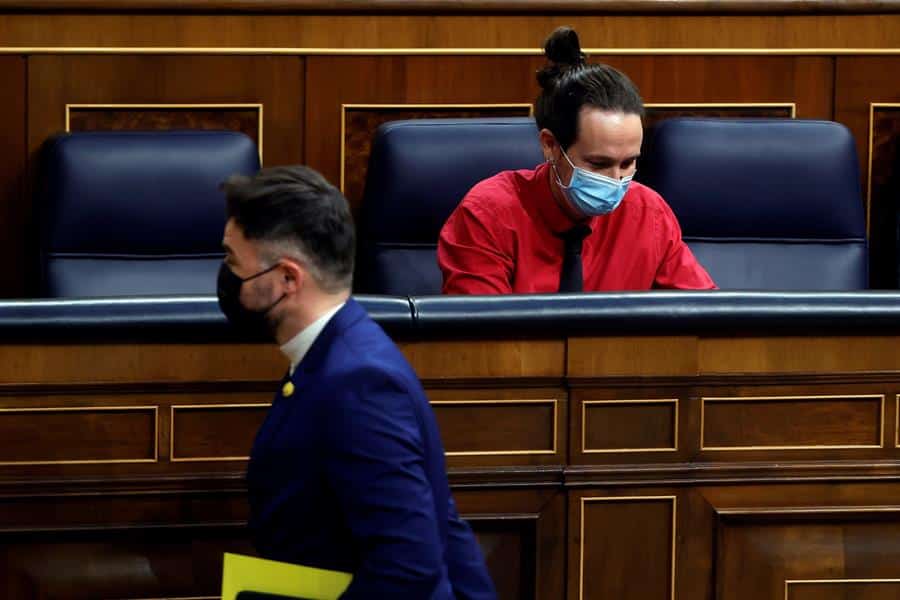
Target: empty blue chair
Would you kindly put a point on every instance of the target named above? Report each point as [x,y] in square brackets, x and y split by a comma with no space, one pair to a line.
[765,204]
[418,172]
[136,213]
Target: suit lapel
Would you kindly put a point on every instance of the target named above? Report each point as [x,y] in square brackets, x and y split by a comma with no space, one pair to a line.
[306,372]
[312,363]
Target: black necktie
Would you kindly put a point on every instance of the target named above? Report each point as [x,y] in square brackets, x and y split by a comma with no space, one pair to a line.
[571,277]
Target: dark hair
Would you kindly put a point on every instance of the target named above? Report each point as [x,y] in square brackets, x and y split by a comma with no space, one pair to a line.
[296,212]
[568,82]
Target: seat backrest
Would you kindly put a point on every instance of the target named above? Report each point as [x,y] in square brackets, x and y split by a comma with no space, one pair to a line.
[418,173]
[136,213]
[765,204]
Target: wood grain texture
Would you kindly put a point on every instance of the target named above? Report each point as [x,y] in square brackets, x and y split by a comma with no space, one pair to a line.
[624,545]
[632,356]
[773,422]
[471,6]
[859,82]
[215,432]
[64,434]
[727,32]
[403,80]
[508,547]
[531,425]
[399,80]
[742,521]
[640,418]
[758,556]
[14,213]
[744,80]
[630,425]
[468,360]
[655,115]
[244,120]
[546,508]
[793,354]
[528,427]
[275,82]
[174,561]
[131,363]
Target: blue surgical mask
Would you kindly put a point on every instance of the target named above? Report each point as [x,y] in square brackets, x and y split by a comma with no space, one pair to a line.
[593,194]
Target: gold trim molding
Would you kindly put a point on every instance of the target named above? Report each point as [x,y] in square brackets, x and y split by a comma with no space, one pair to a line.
[165,105]
[101,461]
[789,582]
[350,107]
[897,421]
[791,105]
[586,450]
[173,458]
[705,400]
[778,511]
[586,500]
[252,51]
[539,451]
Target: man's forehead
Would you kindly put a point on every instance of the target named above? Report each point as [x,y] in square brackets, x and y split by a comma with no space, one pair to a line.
[610,134]
[610,123]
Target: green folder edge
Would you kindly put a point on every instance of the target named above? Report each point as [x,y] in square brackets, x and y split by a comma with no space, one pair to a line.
[242,573]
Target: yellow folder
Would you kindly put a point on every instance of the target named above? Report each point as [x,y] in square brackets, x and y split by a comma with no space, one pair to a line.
[247,573]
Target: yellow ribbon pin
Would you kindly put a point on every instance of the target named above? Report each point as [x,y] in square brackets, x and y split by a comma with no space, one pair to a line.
[288,389]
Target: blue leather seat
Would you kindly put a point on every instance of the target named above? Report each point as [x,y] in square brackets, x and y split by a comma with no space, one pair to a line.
[765,204]
[418,172]
[136,213]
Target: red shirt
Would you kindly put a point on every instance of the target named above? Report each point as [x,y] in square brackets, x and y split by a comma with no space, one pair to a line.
[502,239]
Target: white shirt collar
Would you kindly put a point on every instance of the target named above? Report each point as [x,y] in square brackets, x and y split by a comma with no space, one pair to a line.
[297,347]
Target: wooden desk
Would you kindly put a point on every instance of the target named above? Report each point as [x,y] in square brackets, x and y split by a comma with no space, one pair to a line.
[603,467]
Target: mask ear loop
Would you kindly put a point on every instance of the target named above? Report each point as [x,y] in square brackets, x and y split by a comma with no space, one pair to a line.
[556,171]
[261,273]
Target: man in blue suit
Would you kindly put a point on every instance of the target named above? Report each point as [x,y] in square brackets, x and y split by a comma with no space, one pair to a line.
[347,471]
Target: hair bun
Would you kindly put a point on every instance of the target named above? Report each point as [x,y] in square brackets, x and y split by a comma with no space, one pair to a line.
[563,53]
[563,48]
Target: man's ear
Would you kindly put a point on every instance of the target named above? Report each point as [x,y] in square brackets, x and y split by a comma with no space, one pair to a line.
[293,275]
[549,145]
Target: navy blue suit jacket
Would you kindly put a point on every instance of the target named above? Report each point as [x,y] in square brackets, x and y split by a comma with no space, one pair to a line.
[348,473]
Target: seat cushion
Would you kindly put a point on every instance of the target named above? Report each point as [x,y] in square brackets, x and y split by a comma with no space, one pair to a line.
[418,173]
[764,203]
[128,213]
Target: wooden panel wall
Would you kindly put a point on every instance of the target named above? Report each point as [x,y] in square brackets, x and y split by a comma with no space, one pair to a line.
[13,206]
[158,82]
[865,101]
[221,29]
[121,468]
[322,109]
[404,80]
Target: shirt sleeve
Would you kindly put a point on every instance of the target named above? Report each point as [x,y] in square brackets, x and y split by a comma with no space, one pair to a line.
[474,255]
[679,268]
[374,464]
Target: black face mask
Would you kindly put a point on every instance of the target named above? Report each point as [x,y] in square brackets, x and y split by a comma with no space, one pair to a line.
[228,289]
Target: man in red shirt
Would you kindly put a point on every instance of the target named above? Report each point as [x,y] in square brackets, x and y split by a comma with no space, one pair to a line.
[577,222]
